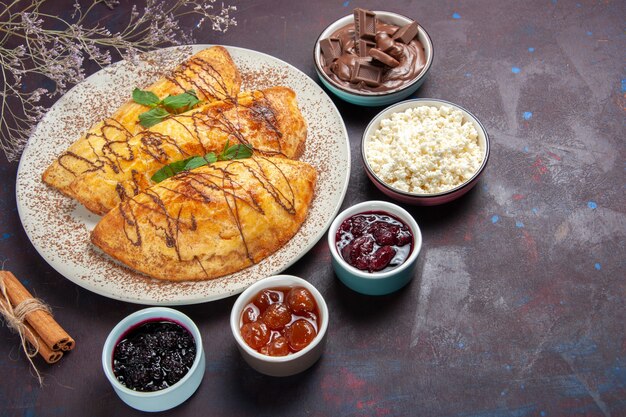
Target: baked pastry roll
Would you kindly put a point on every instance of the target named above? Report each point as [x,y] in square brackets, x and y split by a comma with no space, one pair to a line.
[211,73]
[211,221]
[268,120]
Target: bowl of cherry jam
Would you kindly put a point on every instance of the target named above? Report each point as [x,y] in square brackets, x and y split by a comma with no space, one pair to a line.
[374,247]
[154,359]
[279,324]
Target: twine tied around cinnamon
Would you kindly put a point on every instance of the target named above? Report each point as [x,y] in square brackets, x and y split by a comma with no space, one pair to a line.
[15,319]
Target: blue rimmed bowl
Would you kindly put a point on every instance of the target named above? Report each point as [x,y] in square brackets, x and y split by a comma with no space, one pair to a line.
[374,98]
[375,283]
[167,398]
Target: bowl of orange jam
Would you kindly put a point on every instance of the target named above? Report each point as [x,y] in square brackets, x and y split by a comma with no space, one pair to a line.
[279,324]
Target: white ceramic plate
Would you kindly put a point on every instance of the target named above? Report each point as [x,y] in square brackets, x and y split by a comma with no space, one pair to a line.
[59,227]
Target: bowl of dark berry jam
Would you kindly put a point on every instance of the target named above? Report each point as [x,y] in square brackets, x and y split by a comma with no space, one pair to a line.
[280,325]
[374,247]
[154,359]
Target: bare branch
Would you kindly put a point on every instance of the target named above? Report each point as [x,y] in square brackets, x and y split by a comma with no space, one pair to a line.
[58,55]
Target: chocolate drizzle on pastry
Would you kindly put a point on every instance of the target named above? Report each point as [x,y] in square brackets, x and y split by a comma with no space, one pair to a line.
[210,72]
[242,201]
[196,186]
[267,121]
[206,80]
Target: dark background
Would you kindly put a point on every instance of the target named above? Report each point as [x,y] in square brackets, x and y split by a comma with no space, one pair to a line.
[517,308]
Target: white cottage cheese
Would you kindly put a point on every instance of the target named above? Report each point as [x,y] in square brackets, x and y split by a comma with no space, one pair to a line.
[424,150]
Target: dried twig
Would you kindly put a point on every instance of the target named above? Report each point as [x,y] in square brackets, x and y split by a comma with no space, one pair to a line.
[30,48]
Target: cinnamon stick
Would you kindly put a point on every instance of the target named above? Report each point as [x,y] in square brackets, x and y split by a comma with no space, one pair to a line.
[49,355]
[33,338]
[52,335]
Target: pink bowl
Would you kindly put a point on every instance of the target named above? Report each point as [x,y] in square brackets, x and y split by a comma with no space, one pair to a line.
[425,199]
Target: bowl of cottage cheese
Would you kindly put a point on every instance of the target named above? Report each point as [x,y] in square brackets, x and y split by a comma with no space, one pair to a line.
[425,151]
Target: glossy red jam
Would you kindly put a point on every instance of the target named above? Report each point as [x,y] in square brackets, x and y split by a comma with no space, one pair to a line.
[374,241]
[153,355]
[280,321]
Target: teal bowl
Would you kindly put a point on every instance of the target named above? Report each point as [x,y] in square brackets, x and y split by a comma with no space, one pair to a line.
[375,283]
[373,98]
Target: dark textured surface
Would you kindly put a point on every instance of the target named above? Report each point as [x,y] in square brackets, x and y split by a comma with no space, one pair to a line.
[518,305]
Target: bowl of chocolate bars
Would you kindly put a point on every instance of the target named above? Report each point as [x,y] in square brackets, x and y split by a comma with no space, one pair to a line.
[373,58]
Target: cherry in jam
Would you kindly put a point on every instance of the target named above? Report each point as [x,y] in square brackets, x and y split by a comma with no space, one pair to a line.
[374,241]
[280,321]
[154,355]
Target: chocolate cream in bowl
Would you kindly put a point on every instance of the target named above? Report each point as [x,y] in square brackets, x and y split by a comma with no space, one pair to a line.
[372,56]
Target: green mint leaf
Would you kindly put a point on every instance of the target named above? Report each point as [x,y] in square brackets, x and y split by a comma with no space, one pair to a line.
[226,146]
[153,116]
[238,151]
[170,170]
[210,157]
[198,161]
[162,174]
[146,98]
[195,162]
[182,101]
[231,152]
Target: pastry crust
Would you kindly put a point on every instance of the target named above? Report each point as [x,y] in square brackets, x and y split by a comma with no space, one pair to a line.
[211,221]
[269,121]
[211,73]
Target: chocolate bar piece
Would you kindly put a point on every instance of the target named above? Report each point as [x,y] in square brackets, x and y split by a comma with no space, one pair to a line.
[395,51]
[367,73]
[363,47]
[384,41]
[406,33]
[331,48]
[364,23]
[390,30]
[380,56]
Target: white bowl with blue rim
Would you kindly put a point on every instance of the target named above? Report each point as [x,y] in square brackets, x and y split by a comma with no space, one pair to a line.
[382,282]
[167,398]
[374,98]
